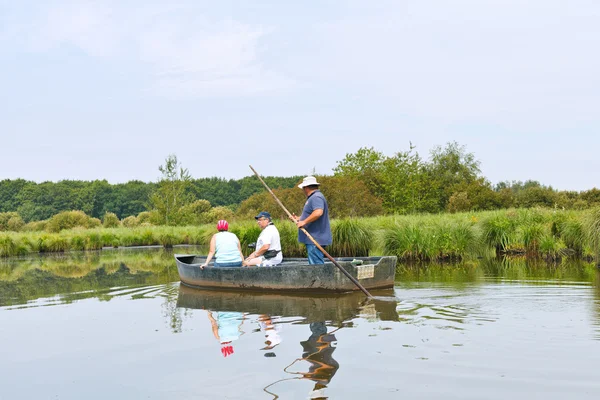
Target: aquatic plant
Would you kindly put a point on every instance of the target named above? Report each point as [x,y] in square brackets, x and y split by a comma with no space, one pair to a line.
[498,231]
[350,238]
[592,231]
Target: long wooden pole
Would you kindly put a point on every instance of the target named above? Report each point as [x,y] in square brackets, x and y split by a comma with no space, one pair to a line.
[308,235]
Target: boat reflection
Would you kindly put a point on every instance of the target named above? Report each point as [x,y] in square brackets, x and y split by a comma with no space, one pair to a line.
[324,314]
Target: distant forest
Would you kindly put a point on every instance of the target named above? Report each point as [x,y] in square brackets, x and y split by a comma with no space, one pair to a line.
[39,201]
[364,183]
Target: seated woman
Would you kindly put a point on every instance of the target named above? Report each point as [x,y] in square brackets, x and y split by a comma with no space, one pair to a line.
[227,247]
[268,245]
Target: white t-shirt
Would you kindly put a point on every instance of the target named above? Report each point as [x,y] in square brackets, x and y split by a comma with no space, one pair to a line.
[270,235]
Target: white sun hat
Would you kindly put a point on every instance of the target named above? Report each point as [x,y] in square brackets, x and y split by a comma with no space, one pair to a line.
[308,181]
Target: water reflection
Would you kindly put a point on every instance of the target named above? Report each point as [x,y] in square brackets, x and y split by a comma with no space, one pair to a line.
[226,327]
[79,275]
[272,311]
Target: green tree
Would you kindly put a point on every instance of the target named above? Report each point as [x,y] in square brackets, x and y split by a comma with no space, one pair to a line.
[451,166]
[366,164]
[172,192]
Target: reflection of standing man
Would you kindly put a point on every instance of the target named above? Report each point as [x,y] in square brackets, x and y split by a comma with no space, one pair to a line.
[318,350]
[315,219]
[226,326]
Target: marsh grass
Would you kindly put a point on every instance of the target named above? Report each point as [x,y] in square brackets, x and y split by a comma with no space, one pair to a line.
[351,238]
[543,233]
[592,231]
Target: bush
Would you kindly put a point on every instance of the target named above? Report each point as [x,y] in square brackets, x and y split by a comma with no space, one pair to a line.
[192,214]
[144,217]
[111,220]
[35,226]
[459,202]
[215,214]
[11,221]
[71,219]
[130,222]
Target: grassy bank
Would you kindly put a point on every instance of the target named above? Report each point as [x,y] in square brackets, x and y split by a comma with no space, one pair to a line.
[531,233]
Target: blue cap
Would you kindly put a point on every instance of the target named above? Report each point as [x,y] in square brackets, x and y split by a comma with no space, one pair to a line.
[263,214]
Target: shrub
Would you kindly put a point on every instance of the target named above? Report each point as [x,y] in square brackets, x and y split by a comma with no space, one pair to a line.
[130,222]
[35,226]
[11,221]
[215,214]
[459,202]
[71,219]
[192,214]
[144,217]
[110,220]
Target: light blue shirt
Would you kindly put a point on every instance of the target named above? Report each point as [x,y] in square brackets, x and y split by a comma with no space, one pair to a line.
[226,248]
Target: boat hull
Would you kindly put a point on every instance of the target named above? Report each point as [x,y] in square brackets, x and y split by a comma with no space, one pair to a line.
[291,275]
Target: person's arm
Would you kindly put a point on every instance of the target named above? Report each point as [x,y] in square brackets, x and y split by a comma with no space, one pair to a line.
[240,249]
[260,252]
[214,325]
[211,251]
[315,215]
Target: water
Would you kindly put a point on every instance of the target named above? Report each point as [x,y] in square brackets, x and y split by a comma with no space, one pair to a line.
[117,324]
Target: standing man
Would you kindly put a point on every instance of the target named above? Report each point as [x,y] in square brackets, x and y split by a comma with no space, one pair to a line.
[315,219]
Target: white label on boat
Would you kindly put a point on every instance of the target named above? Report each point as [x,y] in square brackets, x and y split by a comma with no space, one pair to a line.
[365,271]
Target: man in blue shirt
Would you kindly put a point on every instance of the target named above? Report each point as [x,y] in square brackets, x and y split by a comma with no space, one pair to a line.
[315,219]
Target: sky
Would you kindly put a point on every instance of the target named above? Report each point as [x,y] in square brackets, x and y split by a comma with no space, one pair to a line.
[108,89]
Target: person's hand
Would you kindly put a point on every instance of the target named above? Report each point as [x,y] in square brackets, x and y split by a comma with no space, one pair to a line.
[300,224]
[203,265]
[295,217]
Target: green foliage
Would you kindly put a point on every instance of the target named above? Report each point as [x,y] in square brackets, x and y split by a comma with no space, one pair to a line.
[10,247]
[498,231]
[172,193]
[592,231]
[71,219]
[531,236]
[145,217]
[351,238]
[195,212]
[11,221]
[35,226]
[459,201]
[215,214]
[111,220]
[288,233]
[130,222]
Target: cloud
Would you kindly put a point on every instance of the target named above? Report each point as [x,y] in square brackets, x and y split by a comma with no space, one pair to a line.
[182,51]
[467,60]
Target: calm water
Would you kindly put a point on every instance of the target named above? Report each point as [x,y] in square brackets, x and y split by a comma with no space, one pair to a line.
[118,325]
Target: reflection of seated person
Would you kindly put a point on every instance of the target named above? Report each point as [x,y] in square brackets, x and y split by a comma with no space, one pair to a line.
[271,331]
[318,350]
[268,245]
[226,327]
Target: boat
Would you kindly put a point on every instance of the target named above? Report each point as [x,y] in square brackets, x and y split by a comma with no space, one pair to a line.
[292,275]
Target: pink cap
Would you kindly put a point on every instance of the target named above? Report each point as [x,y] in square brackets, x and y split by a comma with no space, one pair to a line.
[222,225]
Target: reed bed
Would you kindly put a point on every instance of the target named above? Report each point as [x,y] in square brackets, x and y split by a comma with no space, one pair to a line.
[533,233]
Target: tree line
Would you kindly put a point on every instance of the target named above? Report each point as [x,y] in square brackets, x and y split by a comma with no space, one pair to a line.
[364,183]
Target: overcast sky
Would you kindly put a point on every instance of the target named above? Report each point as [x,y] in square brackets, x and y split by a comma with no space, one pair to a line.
[108,89]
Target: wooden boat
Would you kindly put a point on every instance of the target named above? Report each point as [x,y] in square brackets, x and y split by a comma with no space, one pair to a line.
[293,274]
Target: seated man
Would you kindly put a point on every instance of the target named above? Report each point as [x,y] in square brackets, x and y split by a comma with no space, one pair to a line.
[268,245]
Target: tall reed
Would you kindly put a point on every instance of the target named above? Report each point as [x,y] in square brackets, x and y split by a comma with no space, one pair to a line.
[350,238]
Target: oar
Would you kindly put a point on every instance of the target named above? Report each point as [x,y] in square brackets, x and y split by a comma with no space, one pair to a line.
[308,235]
